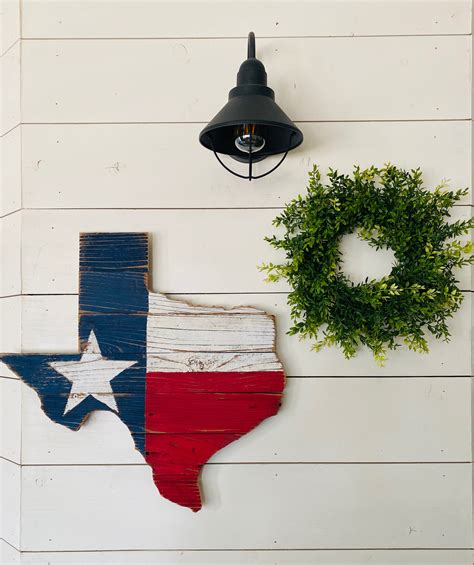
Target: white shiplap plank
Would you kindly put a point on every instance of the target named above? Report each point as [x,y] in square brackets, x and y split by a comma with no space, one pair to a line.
[10,194]
[197,251]
[219,18]
[10,23]
[94,166]
[321,420]
[10,255]
[315,79]
[250,507]
[193,250]
[10,78]
[182,336]
[301,557]
[210,333]
[10,419]
[10,489]
[50,326]
[10,325]
[199,361]
[162,305]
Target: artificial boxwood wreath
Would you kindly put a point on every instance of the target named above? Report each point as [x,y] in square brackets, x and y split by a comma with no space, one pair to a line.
[387,207]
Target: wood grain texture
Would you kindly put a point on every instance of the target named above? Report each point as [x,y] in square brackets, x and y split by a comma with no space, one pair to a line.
[318,506]
[226,19]
[63,165]
[50,324]
[161,305]
[177,420]
[404,73]
[202,361]
[188,425]
[219,332]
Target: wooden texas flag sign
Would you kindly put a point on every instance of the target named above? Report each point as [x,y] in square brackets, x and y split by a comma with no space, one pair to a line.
[186,380]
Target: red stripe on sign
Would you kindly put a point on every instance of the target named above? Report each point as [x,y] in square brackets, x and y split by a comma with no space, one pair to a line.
[236,381]
[202,413]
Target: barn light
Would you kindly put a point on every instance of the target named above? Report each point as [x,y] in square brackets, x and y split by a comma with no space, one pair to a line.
[251,126]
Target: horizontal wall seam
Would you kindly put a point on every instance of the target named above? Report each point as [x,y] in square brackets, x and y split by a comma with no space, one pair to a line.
[234,37]
[361,121]
[248,463]
[244,293]
[273,549]
[172,209]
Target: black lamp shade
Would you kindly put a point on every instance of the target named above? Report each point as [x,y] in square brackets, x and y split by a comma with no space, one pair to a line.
[281,134]
[251,103]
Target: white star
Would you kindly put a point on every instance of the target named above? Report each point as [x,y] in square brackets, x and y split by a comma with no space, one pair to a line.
[91,375]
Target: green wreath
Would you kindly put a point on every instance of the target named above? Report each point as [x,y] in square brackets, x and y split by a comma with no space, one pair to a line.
[388,207]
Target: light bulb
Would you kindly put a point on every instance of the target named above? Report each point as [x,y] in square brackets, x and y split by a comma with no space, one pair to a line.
[249,139]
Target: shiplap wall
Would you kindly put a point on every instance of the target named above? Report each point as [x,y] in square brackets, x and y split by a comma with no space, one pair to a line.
[102,102]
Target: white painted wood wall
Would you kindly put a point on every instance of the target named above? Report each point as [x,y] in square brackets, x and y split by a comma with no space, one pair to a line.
[102,103]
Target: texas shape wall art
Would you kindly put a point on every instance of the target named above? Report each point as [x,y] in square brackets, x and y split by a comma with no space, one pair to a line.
[186,380]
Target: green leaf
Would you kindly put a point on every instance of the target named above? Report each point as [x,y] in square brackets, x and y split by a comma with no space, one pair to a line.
[387,207]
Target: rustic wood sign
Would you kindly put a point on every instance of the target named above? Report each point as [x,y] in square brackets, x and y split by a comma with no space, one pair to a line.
[186,380]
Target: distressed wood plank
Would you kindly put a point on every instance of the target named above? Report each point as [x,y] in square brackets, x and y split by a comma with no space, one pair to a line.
[185,427]
[211,333]
[176,424]
[340,506]
[54,389]
[112,72]
[199,361]
[220,19]
[189,412]
[160,305]
[63,165]
[213,385]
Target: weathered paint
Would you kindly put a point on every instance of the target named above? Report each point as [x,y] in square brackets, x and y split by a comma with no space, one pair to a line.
[229,377]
